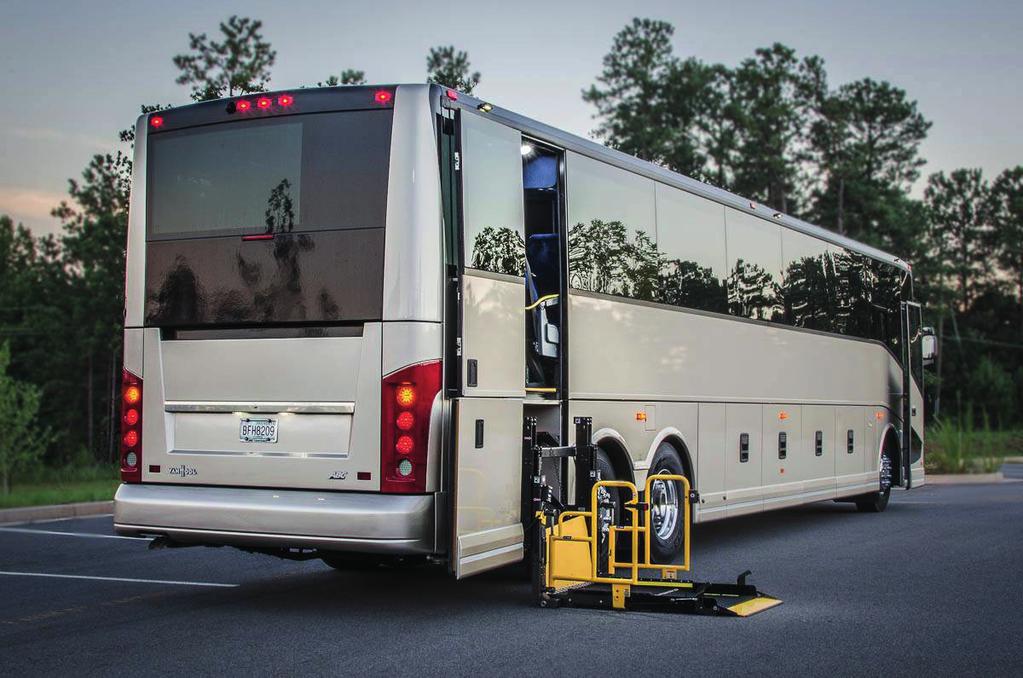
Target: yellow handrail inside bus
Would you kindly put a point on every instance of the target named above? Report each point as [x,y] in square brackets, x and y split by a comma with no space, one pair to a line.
[542,299]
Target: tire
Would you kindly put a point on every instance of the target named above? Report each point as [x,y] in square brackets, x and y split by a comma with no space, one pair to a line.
[877,502]
[667,513]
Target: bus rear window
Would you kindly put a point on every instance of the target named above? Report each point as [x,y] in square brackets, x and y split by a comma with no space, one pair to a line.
[313,172]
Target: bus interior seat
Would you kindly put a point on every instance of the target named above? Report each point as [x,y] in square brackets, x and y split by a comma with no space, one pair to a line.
[544,284]
[540,176]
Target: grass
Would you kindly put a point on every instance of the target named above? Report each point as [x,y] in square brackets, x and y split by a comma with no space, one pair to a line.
[43,486]
[960,447]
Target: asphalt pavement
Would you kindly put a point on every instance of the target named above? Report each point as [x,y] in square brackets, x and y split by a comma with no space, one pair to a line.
[931,587]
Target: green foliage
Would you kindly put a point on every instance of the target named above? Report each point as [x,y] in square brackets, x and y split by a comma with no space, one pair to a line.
[958,204]
[57,492]
[1006,236]
[958,446]
[21,441]
[451,68]
[238,64]
[349,76]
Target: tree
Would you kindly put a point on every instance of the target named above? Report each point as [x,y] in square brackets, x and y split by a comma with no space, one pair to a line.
[766,108]
[21,442]
[1006,213]
[651,104]
[865,140]
[238,64]
[450,68]
[958,207]
[349,76]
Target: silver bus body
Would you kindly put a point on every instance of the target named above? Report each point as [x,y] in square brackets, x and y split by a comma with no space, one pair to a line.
[648,373]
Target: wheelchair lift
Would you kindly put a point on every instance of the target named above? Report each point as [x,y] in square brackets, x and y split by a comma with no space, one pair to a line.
[579,560]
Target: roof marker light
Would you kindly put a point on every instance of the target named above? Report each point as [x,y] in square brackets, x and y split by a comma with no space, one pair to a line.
[451,94]
[263,102]
[285,100]
[485,107]
[382,97]
[243,105]
[156,121]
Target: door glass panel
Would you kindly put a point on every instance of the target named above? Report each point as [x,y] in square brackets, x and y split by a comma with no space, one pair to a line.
[492,196]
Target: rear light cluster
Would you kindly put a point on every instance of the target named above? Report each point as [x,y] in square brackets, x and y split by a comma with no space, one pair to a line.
[131,428]
[382,97]
[407,400]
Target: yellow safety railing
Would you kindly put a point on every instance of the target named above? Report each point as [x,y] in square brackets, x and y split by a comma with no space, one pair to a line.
[559,534]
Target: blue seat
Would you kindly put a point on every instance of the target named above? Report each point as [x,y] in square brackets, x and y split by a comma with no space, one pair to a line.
[543,284]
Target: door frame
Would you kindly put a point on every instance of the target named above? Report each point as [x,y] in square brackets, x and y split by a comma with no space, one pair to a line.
[908,307]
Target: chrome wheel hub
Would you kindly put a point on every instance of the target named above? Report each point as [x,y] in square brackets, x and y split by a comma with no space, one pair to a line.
[664,508]
[885,473]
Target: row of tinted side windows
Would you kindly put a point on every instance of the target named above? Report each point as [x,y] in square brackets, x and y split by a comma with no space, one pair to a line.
[630,236]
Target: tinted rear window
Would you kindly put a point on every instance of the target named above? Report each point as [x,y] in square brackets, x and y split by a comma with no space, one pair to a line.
[322,171]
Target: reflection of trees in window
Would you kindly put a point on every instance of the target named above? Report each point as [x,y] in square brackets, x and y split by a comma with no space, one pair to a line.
[686,283]
[280,209]
[852,295]
[500,250]
[752,292]
[806,293]
[602,257]
[598,257]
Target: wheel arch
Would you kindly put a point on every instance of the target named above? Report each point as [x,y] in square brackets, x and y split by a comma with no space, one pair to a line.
[676,439]
[617,450]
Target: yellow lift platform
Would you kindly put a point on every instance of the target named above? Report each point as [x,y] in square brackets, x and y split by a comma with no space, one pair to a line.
[576,557]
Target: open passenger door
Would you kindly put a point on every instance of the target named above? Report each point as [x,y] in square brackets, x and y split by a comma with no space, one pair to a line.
[487,350]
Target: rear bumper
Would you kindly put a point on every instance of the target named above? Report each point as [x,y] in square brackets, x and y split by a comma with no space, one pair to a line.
[330,521]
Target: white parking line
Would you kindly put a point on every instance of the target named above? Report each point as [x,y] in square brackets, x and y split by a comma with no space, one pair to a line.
[119,579]
[25,530]
[65,519]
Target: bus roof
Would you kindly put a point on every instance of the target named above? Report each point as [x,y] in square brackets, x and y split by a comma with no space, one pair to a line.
[653,171]
[580,145]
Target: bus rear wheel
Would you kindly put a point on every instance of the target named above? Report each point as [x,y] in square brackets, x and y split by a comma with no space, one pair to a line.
[667,513]
[877,502]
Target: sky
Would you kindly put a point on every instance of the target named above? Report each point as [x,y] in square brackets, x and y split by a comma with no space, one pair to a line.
[74,73]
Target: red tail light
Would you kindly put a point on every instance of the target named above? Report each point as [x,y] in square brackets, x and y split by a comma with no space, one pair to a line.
[131,428]
[407,398]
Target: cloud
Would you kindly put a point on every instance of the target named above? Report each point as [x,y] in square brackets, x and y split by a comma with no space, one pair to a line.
[31,207]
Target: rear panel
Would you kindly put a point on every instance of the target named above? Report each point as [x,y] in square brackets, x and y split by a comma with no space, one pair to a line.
[273,284]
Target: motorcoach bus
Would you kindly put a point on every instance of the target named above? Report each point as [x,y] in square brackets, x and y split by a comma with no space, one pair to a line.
[341,303]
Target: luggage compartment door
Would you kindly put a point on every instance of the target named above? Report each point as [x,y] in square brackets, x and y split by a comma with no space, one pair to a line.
[487,486]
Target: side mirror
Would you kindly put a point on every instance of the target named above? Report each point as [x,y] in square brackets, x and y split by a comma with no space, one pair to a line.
[928,346]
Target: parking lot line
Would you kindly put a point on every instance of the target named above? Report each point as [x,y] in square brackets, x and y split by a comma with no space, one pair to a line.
[26,530]
[119,579]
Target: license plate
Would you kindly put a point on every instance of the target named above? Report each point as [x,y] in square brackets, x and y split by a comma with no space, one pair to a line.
[261,430]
